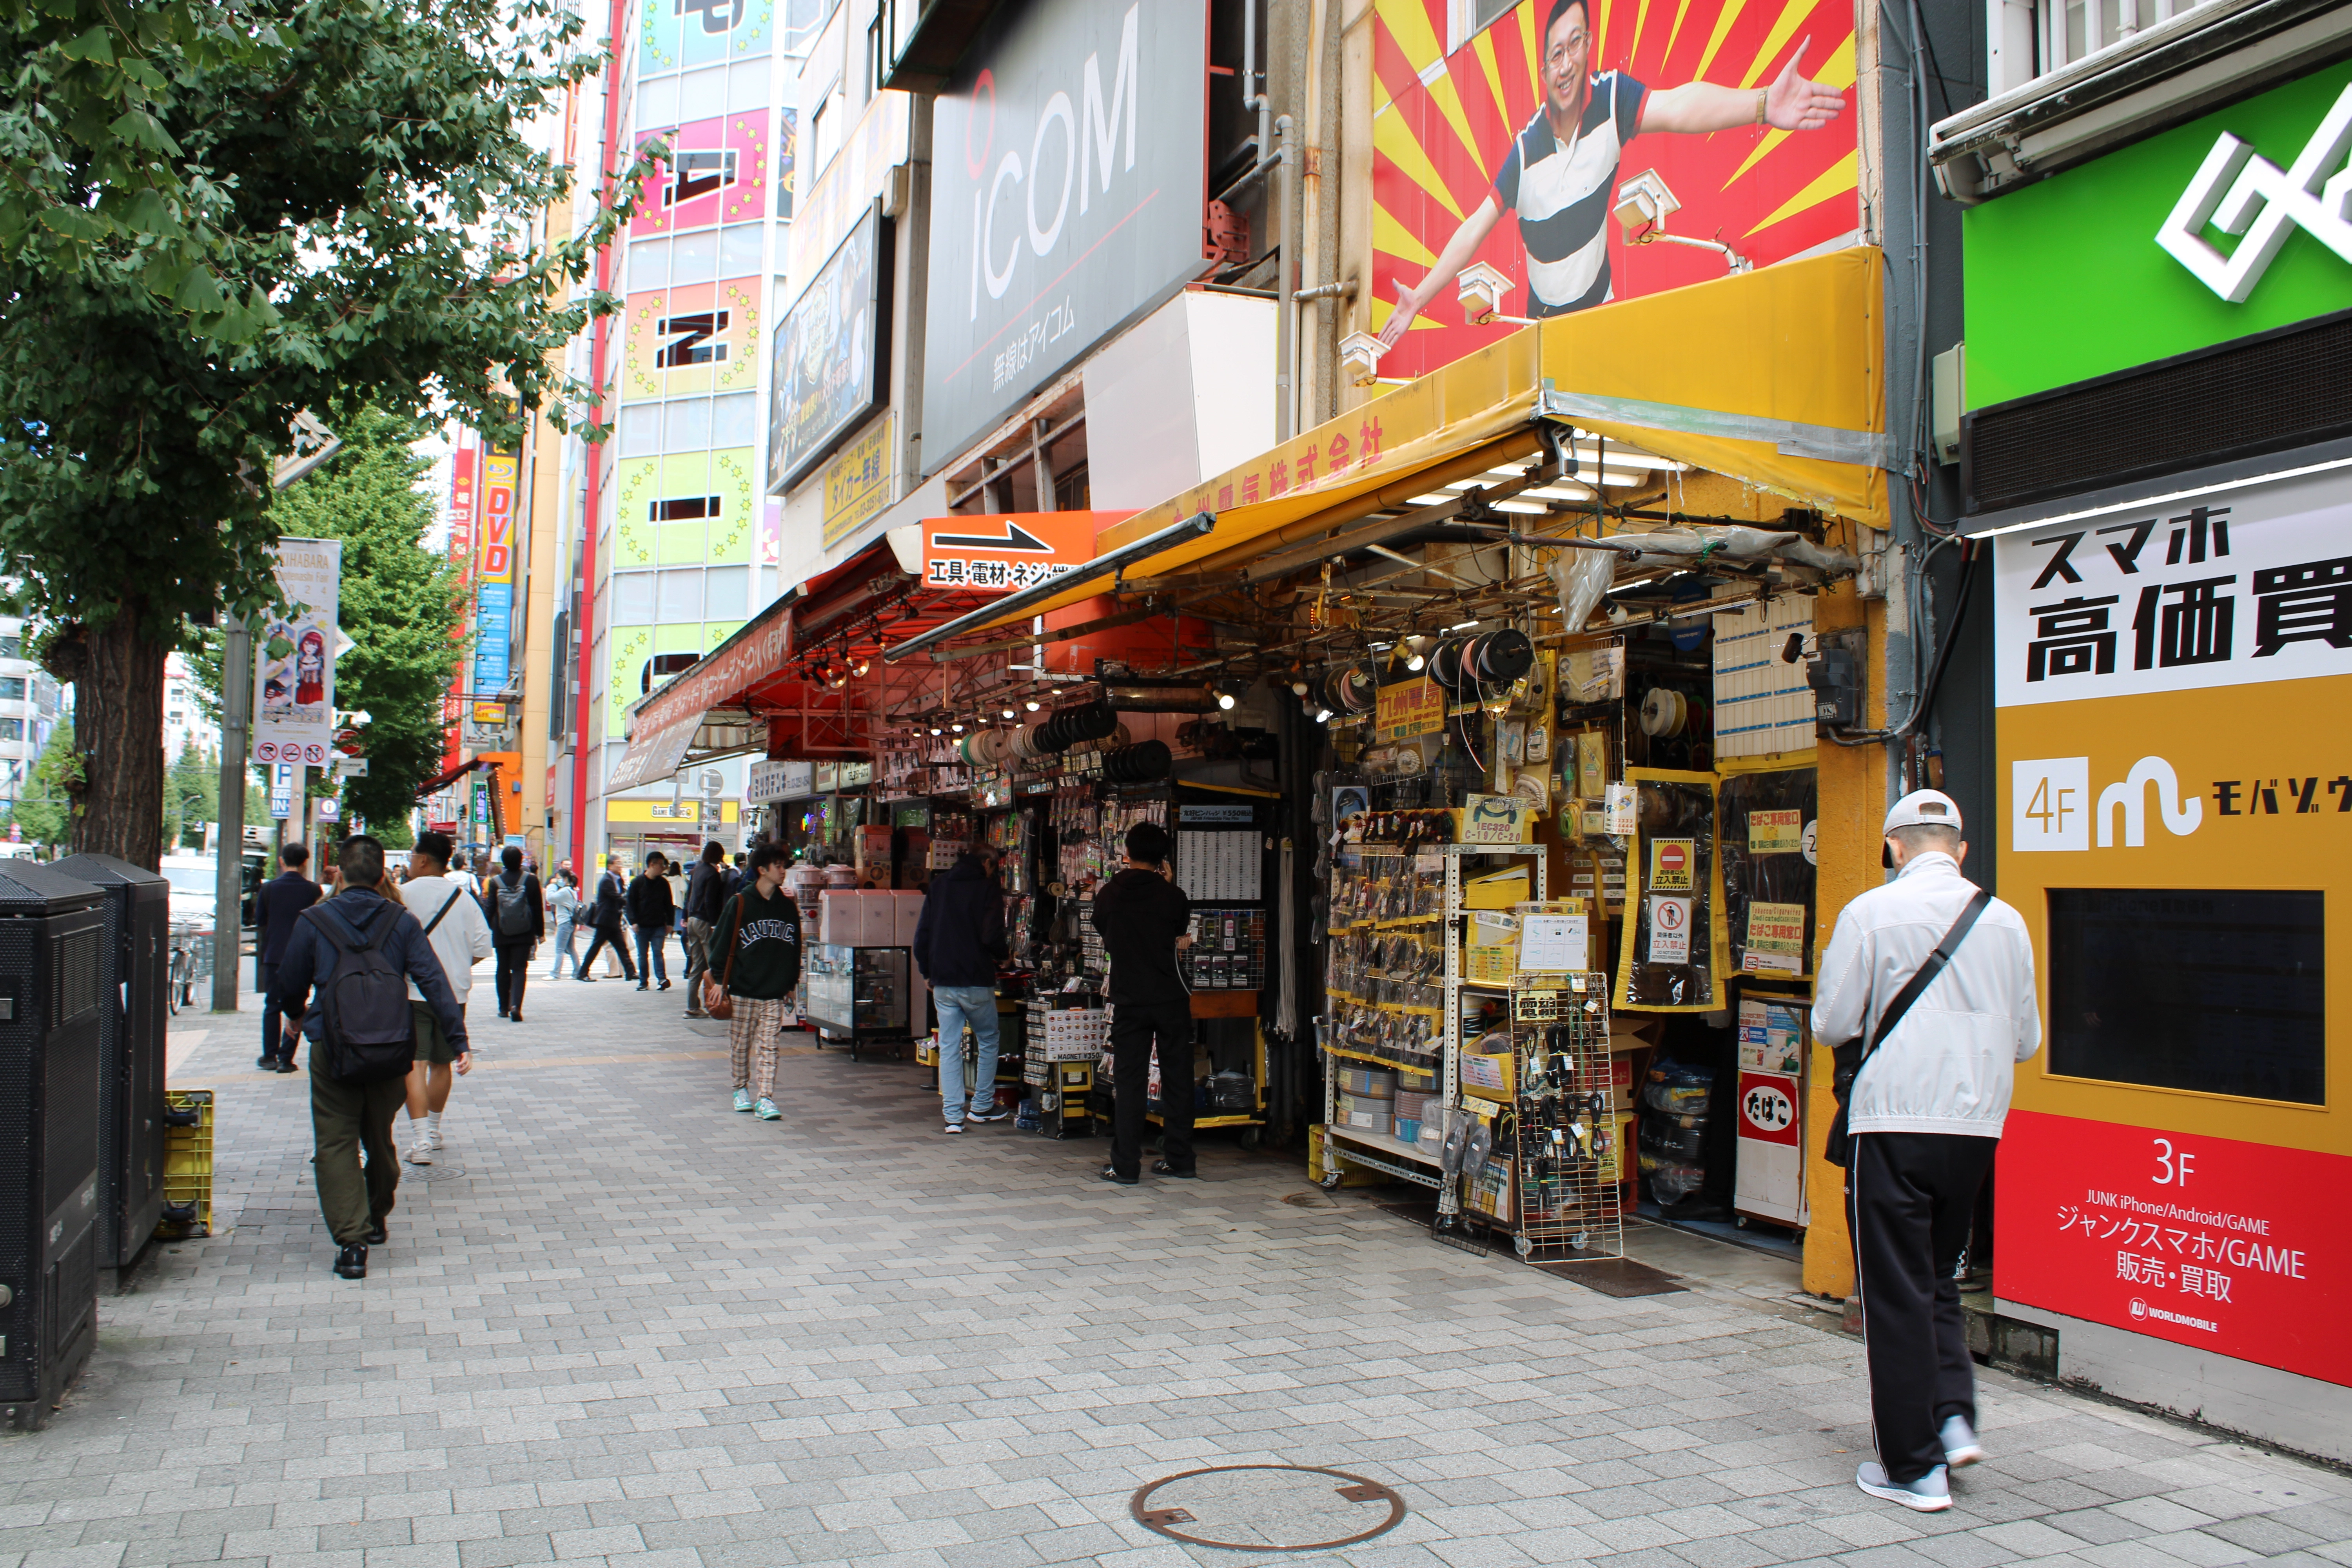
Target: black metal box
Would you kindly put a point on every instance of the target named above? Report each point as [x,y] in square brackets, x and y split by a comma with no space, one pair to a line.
[133,973]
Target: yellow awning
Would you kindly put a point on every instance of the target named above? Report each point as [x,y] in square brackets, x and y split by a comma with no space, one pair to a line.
[1774,377]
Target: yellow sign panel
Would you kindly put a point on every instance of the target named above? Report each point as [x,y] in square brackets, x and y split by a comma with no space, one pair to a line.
[1408,707]
[1776,832]
[684,813]
[1776,938]
[1674,863]
[857,481]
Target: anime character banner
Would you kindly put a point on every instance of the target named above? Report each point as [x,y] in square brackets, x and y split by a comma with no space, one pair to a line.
[294,656]
[1581,151]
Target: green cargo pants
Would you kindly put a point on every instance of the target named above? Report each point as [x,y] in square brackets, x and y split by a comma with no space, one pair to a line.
[346,1117]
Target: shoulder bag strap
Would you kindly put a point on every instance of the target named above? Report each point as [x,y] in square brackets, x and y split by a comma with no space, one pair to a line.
[455,893]
[1927,972]
[734,942]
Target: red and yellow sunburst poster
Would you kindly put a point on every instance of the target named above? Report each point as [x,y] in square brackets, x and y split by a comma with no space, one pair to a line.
[1574,146]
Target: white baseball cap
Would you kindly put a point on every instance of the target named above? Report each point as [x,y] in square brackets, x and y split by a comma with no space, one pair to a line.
[1920,808]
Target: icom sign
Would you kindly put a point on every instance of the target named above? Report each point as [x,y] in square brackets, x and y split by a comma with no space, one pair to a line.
[1067,170]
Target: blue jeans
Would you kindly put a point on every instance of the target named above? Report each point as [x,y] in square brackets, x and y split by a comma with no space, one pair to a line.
[653,941]
[959,1006]
[564,927]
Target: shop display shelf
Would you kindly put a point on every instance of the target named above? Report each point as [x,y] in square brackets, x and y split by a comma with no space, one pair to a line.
[1385,1143]
[1398,1160]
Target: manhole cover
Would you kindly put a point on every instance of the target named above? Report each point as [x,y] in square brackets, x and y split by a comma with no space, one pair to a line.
[1268,1508]
[435,1173]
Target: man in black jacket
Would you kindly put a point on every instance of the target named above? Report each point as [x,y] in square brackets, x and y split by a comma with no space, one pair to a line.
[518,921]
[1144,919]
[606,920]
[653,910]
[958,943]
[346,1117]
[706,895]
[276,907]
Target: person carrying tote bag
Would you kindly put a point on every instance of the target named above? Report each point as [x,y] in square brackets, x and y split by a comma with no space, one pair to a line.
[756,949]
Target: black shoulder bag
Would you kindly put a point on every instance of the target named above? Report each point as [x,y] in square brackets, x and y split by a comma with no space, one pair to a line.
[1838,1148]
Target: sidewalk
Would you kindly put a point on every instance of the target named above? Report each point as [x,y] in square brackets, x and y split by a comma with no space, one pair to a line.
[619,1323]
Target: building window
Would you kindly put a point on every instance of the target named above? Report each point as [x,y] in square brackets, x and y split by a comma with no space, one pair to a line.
[693,333]
[12,729]
[12,646]
[663,666]
[12,688]
[2212,991]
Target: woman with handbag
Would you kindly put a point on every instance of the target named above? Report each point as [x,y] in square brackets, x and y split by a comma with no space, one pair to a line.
[755,955]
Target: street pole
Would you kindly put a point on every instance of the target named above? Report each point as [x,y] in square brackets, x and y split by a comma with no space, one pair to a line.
[228,875]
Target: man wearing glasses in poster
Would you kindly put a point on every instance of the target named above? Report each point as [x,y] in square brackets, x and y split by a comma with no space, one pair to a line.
[1561,172]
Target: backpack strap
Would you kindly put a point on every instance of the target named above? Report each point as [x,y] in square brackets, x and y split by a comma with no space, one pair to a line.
[454,895]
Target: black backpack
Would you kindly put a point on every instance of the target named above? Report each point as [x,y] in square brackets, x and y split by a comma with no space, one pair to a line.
[370,1033]
[514,905]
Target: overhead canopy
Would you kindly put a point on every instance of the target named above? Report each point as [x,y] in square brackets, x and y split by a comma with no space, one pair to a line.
[1773,377]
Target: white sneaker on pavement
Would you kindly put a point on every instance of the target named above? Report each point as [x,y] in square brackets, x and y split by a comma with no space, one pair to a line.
[1931,1493]
[1960,1440]
[421,1151]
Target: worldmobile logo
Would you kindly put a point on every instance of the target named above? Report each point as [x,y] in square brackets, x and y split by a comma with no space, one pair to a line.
[2052,807]
[2138,1307]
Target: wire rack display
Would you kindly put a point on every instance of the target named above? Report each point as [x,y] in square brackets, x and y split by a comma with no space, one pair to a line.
[1564,1127]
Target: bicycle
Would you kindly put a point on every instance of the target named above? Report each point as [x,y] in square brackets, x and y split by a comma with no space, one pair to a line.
[180,983]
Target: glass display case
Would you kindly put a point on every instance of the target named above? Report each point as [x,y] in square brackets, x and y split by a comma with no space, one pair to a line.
[859,993]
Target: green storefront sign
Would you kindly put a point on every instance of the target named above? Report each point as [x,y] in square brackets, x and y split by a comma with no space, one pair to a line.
[2065,279]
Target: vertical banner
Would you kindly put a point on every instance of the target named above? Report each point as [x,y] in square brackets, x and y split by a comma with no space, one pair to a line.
[494,575]
[464,472]
[294,662]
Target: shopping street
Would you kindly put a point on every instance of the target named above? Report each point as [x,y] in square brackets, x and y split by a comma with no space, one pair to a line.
[618,1323]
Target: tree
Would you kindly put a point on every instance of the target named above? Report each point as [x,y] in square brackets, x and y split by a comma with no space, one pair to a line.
[44,811]
[399,605]
[191,795]
[371,195]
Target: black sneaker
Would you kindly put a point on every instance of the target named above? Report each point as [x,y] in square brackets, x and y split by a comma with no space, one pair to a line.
[376,1232]
[1162,1168]
[351,1262]
[267,1064]
[285,1064]
[1113,1177]
[641,985]
[986,1115]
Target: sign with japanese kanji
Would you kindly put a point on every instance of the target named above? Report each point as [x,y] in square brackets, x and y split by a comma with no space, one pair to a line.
[2225,586]
[2226,1245]
[997,552]
[1672,862]
[1408,708]
[1670,930]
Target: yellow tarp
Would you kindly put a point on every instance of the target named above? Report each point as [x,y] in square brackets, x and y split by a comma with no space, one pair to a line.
[1774,377]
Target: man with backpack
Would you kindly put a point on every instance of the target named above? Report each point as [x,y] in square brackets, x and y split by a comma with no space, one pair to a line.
[453,921]
[351,953]
[518,921]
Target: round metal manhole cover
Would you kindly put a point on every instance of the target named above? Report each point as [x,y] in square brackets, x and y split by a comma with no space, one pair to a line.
[1268,1508]
[435,1173]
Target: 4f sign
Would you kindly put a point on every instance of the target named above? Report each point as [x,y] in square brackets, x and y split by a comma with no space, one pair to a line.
[2053,808]
[2239,193]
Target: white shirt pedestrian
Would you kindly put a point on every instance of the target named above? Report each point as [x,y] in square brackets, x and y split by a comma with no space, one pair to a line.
[460,940]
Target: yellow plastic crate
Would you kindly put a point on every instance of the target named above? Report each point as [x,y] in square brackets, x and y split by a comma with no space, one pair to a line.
[187,1165]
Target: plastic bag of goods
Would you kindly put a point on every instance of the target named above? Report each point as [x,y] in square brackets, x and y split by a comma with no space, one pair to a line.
[1679,1088]
[1670,1180]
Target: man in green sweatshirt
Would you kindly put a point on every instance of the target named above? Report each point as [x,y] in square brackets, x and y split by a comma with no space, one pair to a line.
[755,958]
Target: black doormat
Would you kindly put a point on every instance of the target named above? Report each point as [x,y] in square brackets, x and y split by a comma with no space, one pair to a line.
[1618,1276]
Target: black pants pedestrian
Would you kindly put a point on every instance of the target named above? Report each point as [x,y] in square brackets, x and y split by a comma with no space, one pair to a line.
[1910,1199]
[610,935]
[1134,1029]
[274,1043]
[514,967]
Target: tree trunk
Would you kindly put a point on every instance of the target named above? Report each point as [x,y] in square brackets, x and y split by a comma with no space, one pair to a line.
[119,728]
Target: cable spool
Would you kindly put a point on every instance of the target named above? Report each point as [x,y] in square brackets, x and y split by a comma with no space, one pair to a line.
[995,746]
[1145,762]
[1663,711]
[1025,744]
[1099,721]
[1351,691]
[1445,664]
[1501,658]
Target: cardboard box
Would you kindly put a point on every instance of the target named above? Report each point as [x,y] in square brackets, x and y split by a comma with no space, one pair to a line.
[1621,1082]
[1367,1083]
[1614,1167]
[1408,1130]
[1490,947]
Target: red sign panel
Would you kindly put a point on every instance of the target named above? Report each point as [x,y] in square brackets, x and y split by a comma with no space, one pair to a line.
[1767,1107]
[997,552]
[2232,1248]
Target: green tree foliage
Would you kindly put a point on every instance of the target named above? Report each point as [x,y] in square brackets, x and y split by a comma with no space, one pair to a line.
[191,797]
[369,190]
[399,605]
[45,810]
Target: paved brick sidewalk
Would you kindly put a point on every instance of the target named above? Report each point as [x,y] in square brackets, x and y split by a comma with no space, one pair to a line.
[623,1324]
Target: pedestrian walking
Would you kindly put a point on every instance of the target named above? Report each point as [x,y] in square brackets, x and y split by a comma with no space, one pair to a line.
[349,954]
[653,908]
[1927,992]
[706,895]
[451,917]
[276,905]
[959,942]
[1145,919]
[606,913]
[519,921]
[563,899]
[756,957]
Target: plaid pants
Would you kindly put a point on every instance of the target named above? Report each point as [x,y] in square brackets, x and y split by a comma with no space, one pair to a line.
[757,1023]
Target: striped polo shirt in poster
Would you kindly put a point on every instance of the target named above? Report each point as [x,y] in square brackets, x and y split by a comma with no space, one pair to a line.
[1562,195]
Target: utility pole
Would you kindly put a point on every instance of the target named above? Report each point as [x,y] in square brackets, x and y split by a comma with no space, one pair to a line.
[228,875]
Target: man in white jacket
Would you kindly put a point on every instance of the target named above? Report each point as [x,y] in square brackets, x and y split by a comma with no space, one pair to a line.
[445,905]
[1925,1111]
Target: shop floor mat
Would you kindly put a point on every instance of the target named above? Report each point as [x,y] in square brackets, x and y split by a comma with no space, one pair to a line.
[1615,1275]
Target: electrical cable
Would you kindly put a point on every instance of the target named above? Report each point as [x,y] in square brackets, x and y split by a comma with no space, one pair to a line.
[1926,697]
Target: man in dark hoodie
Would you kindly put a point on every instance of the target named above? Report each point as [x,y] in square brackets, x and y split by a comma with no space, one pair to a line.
[1144,919]
[958,944]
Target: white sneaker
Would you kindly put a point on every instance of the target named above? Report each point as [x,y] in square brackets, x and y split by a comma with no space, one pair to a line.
[1931,1493]
[1960,1440]
[421,1151]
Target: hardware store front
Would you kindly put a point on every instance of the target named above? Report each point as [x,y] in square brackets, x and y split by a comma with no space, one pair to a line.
[2173,660]
[1518,653]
